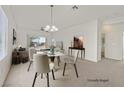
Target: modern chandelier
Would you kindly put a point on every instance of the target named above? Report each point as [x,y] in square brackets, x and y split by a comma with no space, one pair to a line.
[51,27]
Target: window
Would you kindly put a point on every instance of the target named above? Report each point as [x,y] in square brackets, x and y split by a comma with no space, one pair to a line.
[3,31]
[37,41]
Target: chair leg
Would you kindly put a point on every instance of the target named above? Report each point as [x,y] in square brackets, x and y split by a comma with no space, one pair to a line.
[64,69]
[41,75]
[76,70]
[29,66]
[47,79]
[34,79]
[58,63]
[53,75]
[58,59]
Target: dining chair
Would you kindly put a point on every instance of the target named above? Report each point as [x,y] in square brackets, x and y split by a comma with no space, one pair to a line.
[32,51]
[42,66]
[71,60]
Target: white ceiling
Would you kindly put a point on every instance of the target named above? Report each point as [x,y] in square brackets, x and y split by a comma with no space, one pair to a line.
[34,16]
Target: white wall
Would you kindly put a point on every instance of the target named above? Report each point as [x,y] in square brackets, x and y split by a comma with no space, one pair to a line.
[90,33]
[5,64]
[113,40]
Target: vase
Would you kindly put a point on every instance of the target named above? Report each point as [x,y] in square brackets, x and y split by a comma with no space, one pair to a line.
[52,51]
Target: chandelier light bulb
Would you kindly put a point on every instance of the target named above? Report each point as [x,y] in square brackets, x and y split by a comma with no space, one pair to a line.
[53,27]
[48,27]
[56,29]
[51,30]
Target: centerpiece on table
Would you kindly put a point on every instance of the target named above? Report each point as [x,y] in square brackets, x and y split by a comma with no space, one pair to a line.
[52,49]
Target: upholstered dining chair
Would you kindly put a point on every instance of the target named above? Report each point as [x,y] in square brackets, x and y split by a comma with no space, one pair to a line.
[32,51]
[71,60]
[42,66]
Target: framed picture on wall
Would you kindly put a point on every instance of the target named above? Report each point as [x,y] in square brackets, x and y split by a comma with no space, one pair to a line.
[78,43]
[14,36]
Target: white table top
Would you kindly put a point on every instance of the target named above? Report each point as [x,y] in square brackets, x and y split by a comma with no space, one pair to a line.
[38,49]
[52,55]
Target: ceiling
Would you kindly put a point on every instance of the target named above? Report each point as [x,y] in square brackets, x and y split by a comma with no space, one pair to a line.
[37,16]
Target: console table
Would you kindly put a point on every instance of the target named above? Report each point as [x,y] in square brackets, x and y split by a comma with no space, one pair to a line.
[19,57]
[73,48]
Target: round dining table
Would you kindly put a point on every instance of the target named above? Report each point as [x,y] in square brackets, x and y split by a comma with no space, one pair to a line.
[53,56]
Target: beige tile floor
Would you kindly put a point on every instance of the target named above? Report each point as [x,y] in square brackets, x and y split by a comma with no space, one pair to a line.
[91,74]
